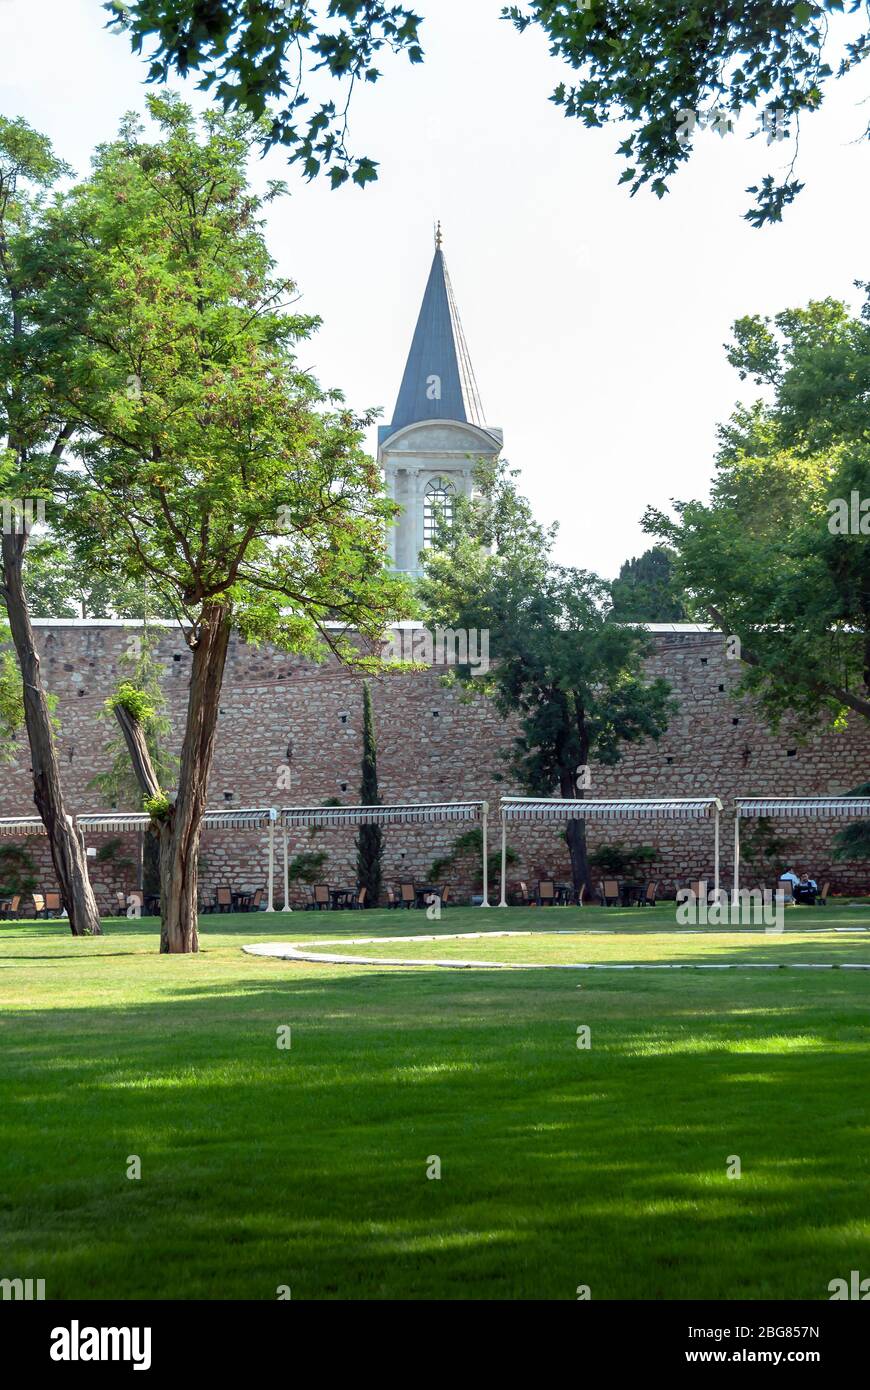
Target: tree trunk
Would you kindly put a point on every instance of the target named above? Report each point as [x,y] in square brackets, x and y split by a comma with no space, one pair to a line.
[575,835]
[179,832]
[67,852]
[179,865]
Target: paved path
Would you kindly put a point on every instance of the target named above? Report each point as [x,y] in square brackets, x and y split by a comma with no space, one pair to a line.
[302,951]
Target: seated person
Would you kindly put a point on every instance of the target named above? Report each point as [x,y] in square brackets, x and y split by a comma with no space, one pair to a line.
[805,891]
[790,877]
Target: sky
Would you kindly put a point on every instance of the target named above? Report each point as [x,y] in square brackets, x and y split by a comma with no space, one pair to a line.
[596,322]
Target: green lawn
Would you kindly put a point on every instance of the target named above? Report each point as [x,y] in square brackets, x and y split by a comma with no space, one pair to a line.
[560,1166]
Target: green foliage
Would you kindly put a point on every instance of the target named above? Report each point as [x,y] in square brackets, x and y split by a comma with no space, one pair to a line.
[135,701]
[11,699]
[307,867]
[653,67]
[369,844]
[853,841]
[558,661]
[31,419]
[618,858]
[644,591]
[656,66]
[58,586]
[17,871]
[763,559]
[158,807]
[569,675]
[255,55]
[763,848]
[209,466]
[470,844]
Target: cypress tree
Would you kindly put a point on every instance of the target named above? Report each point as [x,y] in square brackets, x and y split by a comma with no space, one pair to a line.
[369,845]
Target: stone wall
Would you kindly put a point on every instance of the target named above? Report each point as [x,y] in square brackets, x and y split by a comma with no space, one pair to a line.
[278,711]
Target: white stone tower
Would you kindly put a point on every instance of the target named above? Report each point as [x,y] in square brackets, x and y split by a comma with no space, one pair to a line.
[437,434]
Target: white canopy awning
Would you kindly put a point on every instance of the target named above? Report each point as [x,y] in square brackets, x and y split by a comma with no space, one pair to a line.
[787,807]
[113,822]
[661,808]
[531,808]
[324,817]
[21,825]
[409,813]
[790,808]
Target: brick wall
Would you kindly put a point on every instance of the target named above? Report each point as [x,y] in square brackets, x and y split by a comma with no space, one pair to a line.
[434,746]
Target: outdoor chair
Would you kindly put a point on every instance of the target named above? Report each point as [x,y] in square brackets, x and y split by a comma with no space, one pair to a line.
[256,898]
[11,907]
[223,900]
[392,900]
[822,899]
[786,889]
[524,898]
[408,894]
[358,901]
[319,898]
[648,899]
[581,896]
[38,905]
[699,888]
[546,892]
[121,903]
[53,905]
[608,891]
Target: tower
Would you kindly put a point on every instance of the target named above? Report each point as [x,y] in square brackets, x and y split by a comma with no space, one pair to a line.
[437,433]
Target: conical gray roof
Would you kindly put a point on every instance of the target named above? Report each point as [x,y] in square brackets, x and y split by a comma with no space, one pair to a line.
[438,351]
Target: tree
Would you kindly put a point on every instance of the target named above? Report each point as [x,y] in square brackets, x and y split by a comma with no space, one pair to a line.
[644,590]
[120,785]
[853,841]
[252,54]
[665,69]
[36,433]
[208,464]
[17,871]
[58,587]
[469,846]
[768,559]
[370,843]
[561,665]
[670,68]
[765,850]
[617,859]
[11,699]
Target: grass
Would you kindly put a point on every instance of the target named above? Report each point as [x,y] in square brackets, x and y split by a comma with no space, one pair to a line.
[560,1166]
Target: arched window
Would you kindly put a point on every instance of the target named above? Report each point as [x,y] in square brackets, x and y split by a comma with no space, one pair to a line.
[438,506]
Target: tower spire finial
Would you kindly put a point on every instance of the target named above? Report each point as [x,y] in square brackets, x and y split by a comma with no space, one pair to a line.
[438,237]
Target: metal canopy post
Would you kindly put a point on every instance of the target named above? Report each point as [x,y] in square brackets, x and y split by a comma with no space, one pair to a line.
[736,894]
[484,820]
[287,907]
[504,901]
[273,816]
[716,854]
